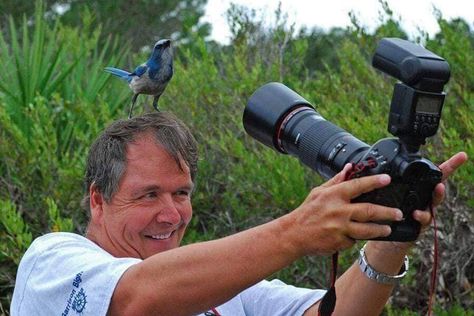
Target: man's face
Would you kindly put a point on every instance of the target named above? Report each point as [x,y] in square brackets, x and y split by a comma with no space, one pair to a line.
[152,207]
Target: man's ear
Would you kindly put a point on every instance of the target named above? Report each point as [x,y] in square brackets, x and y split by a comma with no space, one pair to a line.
[96,203]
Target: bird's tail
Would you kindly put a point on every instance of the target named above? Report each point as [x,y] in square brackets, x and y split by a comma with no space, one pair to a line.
[122,74]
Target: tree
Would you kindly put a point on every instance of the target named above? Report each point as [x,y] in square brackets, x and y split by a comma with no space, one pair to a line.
[140,22]
[19,8]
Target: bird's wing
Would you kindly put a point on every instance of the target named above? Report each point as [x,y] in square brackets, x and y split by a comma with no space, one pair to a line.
[122,74]
[140,70]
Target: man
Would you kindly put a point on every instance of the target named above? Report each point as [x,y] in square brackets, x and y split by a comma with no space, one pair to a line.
[139,178]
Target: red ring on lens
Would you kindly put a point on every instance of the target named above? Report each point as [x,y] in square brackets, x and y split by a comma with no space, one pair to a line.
[285,121]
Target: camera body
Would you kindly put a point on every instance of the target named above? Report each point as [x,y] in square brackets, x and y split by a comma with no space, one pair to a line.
[283,120]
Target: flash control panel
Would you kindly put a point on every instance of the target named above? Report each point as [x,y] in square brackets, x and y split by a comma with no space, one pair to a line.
[425,124]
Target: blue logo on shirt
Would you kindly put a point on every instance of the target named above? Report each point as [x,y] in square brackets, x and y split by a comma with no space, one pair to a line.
[80,301]
[77,280]
[77,300]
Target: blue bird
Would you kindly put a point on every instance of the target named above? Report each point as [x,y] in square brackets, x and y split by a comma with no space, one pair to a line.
[151,77]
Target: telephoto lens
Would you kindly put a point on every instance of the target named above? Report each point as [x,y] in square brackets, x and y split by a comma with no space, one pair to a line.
[283,120]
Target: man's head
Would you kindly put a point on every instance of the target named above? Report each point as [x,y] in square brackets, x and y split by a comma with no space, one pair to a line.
[107,161]
[139,178]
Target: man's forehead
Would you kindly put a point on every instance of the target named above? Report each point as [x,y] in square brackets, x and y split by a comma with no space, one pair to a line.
[145,142]
[145,138]
[145,146]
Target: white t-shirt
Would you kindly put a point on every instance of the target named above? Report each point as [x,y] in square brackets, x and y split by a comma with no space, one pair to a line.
[67,274]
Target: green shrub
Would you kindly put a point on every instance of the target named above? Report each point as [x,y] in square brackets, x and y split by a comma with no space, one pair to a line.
[55,98]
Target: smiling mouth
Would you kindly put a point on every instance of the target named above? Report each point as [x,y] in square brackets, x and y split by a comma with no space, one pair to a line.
[161,236]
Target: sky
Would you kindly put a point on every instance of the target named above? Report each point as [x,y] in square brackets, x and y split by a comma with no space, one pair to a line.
[415,14]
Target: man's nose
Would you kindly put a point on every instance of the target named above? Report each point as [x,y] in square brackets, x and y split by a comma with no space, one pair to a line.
[168,211]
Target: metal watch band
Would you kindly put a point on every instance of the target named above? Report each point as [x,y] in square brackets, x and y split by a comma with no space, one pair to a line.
[379,277]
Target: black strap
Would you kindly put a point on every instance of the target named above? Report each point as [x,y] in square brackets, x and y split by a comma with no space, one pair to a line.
[434,271]
[328,302]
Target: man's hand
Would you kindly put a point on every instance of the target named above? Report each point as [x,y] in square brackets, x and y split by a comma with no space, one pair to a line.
[448,167]
[327,221]
[424,217]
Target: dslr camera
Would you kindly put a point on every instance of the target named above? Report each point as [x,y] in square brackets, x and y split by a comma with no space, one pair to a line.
[281,119]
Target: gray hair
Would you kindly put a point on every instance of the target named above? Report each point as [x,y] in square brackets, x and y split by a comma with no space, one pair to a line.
[107,158]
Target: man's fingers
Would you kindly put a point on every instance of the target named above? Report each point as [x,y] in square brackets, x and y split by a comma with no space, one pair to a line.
[364,216]
[368,212]
[355,187]
[423,217]
[338,178]
[368,230]
[450,165]
[438,194]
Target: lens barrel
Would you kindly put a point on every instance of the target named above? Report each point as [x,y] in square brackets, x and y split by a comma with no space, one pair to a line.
[283,120]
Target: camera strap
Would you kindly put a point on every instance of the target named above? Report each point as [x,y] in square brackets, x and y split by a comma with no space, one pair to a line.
[434,272]
[328,302]
[212,312]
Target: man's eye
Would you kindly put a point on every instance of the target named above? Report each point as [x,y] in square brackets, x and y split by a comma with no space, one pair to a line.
[183,193]
[150,195]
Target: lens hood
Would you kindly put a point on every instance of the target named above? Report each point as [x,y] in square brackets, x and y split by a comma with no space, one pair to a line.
[266,109]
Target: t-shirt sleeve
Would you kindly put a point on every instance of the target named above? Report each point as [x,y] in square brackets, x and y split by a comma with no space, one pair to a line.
[277,298]
[68,277]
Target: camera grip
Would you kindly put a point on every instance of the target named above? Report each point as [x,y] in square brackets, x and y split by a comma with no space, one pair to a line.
[407,198]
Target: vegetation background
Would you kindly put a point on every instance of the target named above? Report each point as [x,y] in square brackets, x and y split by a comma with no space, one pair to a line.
[55,98]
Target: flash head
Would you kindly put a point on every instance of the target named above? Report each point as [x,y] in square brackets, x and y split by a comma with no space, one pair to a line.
[412,64]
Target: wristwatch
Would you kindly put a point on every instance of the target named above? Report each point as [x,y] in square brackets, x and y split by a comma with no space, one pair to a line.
[380,277]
